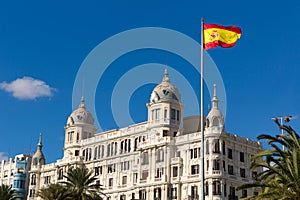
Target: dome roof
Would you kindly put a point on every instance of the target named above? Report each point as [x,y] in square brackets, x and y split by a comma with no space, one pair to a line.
[165,91]
[80,116]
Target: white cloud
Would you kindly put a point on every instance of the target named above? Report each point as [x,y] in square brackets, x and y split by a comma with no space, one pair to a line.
[27,88]
[3,156]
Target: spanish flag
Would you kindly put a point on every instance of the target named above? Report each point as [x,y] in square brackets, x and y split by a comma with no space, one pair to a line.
[217,35]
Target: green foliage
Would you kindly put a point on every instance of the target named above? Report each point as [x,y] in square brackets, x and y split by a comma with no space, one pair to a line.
[55,191]
[80,185]
[280,178]
[7,193]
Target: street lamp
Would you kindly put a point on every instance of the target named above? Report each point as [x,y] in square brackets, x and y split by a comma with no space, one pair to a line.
[283,119]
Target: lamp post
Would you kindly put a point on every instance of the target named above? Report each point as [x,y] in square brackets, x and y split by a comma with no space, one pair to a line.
[283,119]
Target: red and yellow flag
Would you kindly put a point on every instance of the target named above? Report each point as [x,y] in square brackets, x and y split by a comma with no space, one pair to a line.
[217,35]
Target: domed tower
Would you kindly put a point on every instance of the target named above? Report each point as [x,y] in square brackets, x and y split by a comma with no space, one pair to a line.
[38,160]
[214,119]
[80,126]
[165,107]
[214,146]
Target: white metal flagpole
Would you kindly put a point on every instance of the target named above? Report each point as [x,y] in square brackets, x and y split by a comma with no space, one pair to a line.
[202,110]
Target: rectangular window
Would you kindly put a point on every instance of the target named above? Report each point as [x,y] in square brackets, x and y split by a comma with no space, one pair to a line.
[174,193]
[230,169]
[157,111]
[194,169]
[123,197]
[244,193]
[142,194]
[223,148]
[159,172]
[254,174]
[47,179]
[110,182]
[145,158]
[217,146]
[229,153]
[111,168]
[166,133]
[155,114]
[31,193]
[144,175]
[207,165]
[195,153]
[173,114]
[124,180]
[175,171]
[159,155]
[194,192]
[232,193]
[96,171]
[243,172]
[216,165]
[135,177]
[165,113]
[178,115]
[242,157]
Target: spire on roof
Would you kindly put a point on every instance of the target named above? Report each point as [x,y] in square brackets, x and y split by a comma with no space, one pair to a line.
[215,99]
[40,145]
[82,105]
[166,76]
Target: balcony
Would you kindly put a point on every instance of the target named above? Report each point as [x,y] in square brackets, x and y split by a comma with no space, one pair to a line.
[176,160]
[216,172]
[143,181]
[193,176]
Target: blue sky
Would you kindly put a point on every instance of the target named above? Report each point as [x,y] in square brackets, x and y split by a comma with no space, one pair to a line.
[43,45]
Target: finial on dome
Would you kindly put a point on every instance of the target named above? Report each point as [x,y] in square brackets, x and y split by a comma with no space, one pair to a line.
[215,99]
[82,103]
[40,145]
[166,76]
[215,90]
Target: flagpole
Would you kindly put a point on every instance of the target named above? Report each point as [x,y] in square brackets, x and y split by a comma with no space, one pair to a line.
[202,110]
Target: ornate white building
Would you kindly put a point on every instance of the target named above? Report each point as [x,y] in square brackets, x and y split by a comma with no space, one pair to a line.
[156,159]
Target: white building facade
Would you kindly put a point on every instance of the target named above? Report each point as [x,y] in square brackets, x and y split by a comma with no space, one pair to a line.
[15,173]
[156,159]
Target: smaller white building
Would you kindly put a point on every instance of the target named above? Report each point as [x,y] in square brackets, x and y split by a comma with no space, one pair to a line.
[14,172]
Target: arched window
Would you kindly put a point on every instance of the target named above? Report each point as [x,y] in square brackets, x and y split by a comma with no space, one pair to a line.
[216,146]
[96,153]
[206,188]
[33,179]
[216,188]
[60,174]
[108,150]
[216,122]
[136,140]
[207,146]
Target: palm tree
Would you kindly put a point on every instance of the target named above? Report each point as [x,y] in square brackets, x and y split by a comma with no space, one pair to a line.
[81,182]
[55,191]
[280,178]
[7,193]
